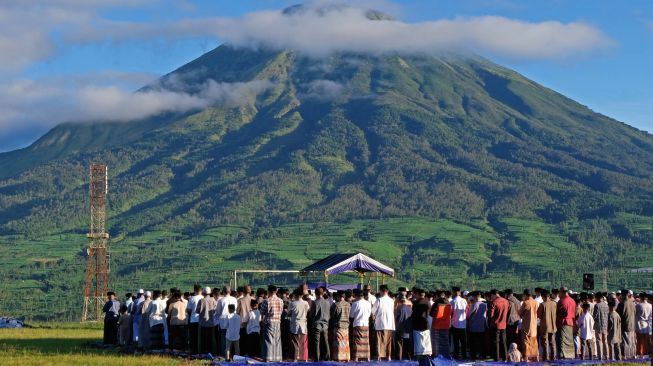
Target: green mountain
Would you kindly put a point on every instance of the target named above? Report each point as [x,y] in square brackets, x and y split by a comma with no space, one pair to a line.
[452,170]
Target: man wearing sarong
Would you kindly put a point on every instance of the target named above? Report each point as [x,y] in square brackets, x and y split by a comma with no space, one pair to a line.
[528,333]
[384,324]
[271,310]
[205,309]
[157,314]
[144,324]
[361,310]
[547,331]
[626,310]
[419,321]
[298,312]
[497,320]
[340,327]
[441,314]
[565,319]
[111,310]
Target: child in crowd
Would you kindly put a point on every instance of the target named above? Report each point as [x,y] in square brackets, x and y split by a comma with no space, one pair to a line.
[586,332]
[253,330]
[124,326]
[614,332]
[233,333]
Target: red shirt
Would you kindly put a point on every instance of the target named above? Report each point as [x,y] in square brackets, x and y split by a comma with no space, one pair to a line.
[498,313]
[441,314]
[566,312]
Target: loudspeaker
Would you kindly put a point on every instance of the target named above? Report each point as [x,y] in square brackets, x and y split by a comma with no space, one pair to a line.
[588,281]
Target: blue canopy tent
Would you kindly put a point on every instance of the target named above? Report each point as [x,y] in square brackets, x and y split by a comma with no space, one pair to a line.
[342,262]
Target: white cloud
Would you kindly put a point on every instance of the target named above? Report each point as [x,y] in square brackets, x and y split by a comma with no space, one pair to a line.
[318,29]
[29,29]
[26,103]
[324,89]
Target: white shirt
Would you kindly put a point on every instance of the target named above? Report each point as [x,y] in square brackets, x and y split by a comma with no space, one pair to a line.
[157,312]
[384,313]
[223,308]
[254,322]
[372,300]
[233,327]
[586,326]
[192,307]
[458,312]
[360,313]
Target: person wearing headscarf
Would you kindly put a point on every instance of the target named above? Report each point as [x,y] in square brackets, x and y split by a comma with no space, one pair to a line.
[513,354]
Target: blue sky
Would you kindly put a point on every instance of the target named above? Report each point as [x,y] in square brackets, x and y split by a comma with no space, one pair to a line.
[111,47]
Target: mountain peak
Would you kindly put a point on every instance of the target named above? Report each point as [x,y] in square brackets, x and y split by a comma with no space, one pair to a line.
[324,8]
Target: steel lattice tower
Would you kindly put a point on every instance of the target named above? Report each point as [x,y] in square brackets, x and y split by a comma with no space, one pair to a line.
[97,267]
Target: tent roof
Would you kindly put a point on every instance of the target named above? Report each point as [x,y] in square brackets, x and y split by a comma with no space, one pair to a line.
[343,262]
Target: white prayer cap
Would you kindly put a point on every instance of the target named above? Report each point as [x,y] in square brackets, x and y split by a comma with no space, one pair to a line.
[140,291]
[148,294]
[465,293]
[630,292]
[207,290]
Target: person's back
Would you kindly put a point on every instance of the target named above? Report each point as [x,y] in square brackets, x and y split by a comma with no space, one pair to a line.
[441,314]
[499,308]
[320,312]
[361,310]
[384,313]
[156,312]
[340,314]
[547,315]
[626,309]
[223,307]
[586,326]
[254,321]
[601,313]
[206,310]
[459,312]
[614,328]
[419,314]
[478,317]
[643,317]
[298,311]
[177,312]
[566,312]
[233,327]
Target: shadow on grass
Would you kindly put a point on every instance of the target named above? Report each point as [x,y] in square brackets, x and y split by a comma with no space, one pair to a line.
[50,345]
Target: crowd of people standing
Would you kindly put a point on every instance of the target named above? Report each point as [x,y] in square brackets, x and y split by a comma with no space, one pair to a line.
[359,325]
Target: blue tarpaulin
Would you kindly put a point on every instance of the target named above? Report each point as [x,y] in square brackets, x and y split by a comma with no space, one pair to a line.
[439,361]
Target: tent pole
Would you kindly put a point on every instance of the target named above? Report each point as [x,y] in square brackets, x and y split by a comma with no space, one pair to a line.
[377,282]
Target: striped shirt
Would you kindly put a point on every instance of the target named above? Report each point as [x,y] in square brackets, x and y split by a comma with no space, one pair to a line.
[271,309]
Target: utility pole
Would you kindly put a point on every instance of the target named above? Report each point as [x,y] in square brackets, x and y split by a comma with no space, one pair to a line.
[97,265]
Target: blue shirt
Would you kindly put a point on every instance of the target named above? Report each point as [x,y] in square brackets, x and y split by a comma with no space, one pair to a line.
[477,317]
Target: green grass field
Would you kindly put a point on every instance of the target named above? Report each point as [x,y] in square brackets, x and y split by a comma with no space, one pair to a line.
[64,344]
